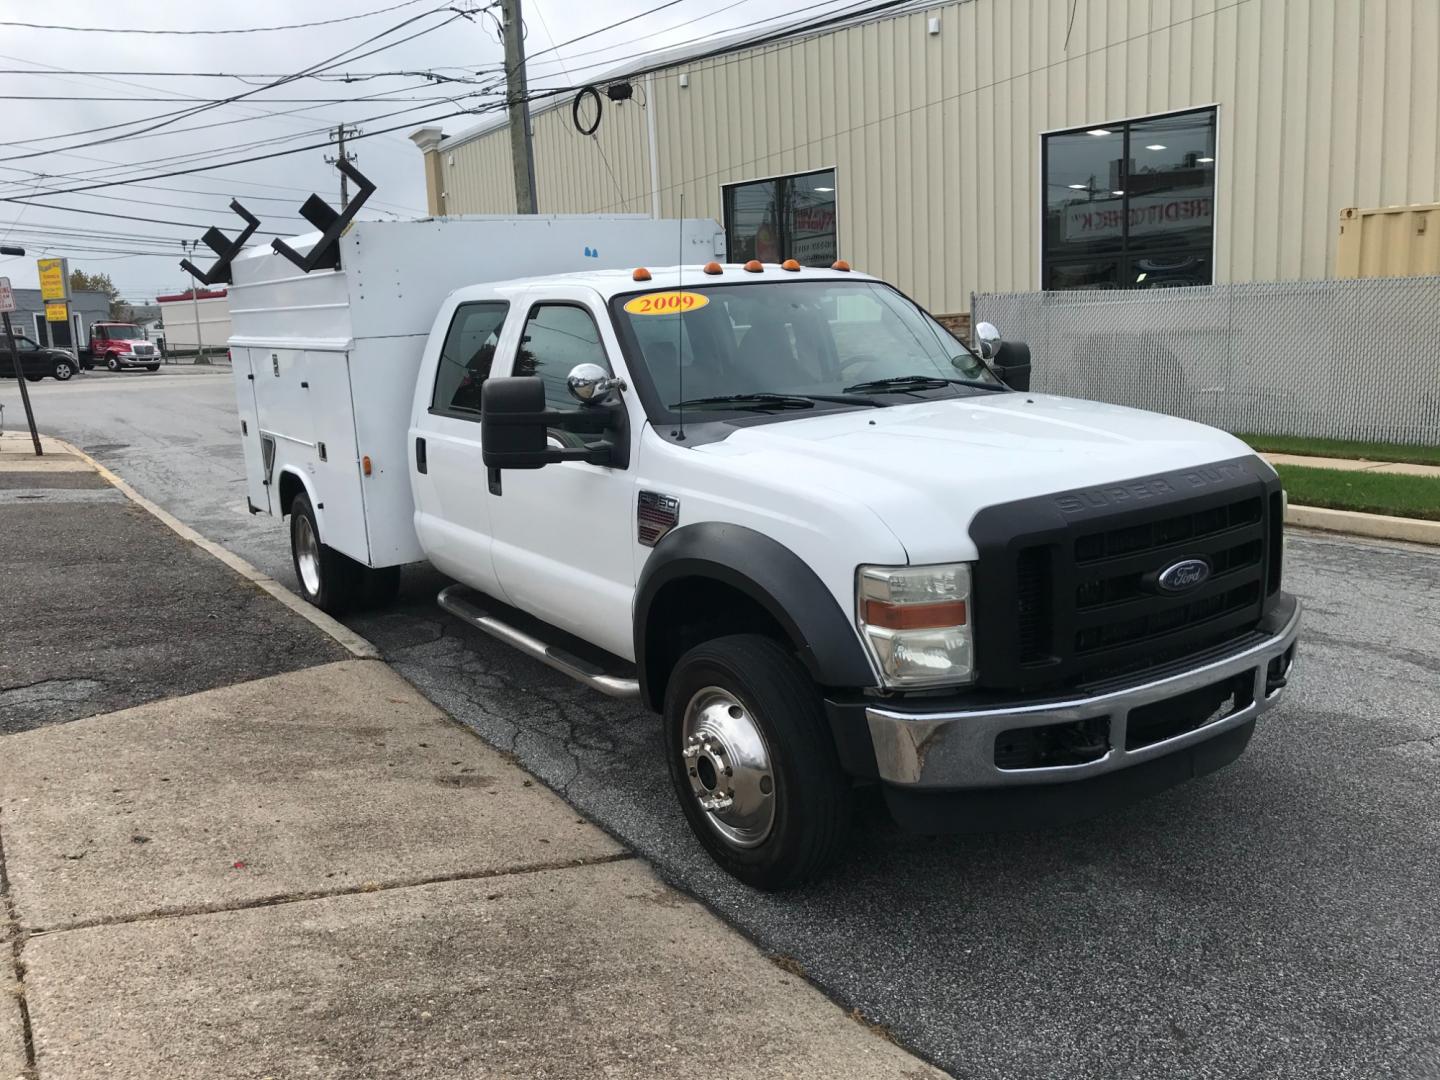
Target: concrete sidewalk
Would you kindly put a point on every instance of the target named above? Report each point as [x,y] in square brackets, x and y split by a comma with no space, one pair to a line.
[317,873]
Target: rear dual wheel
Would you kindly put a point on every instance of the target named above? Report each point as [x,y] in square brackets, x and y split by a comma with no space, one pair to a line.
[753,762]
[333,582]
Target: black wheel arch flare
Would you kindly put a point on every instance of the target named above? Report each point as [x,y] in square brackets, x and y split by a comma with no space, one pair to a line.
[770,574]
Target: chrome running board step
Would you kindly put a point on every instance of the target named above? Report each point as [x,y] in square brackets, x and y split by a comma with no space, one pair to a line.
[463,603]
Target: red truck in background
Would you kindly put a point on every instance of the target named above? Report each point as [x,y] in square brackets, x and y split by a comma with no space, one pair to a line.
[119,346]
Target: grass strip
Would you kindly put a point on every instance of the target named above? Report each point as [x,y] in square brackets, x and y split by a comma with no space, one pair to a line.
[1409,453]
[1368,492]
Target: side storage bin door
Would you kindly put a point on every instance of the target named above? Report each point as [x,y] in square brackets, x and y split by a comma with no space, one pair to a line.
[257,490]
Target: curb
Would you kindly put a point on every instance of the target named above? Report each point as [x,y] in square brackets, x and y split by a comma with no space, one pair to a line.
[1372,526]
[353,643]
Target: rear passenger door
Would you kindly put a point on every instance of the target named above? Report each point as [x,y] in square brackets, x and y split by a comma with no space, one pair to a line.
[452,514]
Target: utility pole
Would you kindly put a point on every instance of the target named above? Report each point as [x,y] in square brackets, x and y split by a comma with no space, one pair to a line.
[521,154]
[341,134]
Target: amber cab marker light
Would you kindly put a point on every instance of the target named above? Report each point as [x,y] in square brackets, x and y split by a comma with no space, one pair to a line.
[755,266]
[915,616]
[640,274]
[790,264]
[840,264]
[365,464]
[712,268]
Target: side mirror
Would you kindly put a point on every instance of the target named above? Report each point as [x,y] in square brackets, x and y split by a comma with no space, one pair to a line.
[987,340]
[1012,363]
[515,427]
[591,384]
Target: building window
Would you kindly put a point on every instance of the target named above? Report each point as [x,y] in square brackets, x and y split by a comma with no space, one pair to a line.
[787,217]
[1130,205]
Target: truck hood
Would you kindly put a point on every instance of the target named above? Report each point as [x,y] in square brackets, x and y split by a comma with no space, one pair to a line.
[926,469]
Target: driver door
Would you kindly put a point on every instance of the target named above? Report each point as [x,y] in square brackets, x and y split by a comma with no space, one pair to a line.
[564,535]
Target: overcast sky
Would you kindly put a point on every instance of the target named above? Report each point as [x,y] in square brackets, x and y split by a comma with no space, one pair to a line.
[52,132]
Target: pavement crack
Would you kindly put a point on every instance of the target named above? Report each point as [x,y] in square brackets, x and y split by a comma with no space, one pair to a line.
[362,889]
[17,962]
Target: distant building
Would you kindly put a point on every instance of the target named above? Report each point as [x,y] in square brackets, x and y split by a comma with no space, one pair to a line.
[999,145]
[178,313]
[86,308]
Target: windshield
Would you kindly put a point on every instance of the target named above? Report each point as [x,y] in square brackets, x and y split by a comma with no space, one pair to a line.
[119,333]
[798,342]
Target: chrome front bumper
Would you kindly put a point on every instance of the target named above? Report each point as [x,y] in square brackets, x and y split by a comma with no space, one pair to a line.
[955,750]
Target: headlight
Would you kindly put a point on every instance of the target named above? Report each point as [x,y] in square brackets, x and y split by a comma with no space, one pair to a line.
[916,620]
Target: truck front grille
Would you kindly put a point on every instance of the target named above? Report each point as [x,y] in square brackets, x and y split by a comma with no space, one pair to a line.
[1075,598]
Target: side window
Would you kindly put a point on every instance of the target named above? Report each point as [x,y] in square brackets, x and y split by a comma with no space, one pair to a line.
[556,338]
[465,359]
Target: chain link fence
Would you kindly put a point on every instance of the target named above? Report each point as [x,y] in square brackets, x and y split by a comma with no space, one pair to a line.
[1345,359]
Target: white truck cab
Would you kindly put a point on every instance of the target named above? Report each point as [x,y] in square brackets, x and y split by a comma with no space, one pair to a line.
[830,543]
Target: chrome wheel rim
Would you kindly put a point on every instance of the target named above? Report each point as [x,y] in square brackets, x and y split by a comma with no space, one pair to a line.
[307,555]
[728,764]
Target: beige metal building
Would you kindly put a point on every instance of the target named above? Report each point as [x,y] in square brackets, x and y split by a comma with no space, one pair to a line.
[1009,145]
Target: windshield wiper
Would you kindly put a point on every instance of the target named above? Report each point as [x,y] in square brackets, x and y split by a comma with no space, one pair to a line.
[747,401]
[775,401]
[906,383]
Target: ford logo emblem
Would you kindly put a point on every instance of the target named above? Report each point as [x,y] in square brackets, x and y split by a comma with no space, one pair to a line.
[1184,575]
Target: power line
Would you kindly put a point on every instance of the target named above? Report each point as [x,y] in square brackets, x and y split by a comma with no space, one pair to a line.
[258,157]
[188,33]
[211,101]
[166,119]
[356,76]
[30,200]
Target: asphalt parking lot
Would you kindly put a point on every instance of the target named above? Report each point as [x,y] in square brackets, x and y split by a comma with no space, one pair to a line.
[1273,920]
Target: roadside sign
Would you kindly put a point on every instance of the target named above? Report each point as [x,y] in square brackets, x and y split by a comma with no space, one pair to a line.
[57,312]
[7,297]
[54,279]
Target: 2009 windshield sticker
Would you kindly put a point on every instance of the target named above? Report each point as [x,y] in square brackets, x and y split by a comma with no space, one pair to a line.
[666,303]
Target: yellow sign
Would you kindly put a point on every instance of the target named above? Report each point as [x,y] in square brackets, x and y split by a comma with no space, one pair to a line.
[54,279]
[57,311]
[666,303]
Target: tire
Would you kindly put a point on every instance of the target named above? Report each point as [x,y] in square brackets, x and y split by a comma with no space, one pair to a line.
[152,367]
[327,578]
[63,370]
[112,362]
[793,833]
[33,378]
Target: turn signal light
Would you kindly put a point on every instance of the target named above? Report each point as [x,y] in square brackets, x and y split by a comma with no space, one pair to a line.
[755,266]
[790,264]
[640,274]
[712,268]
[840,264]
[914,616]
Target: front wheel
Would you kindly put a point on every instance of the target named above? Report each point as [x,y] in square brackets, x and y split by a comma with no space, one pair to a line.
[112,362]
[326,577]
[152,367]
[64,369]
[753,762]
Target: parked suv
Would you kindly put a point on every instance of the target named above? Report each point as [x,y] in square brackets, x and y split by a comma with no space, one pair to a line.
[37,361]
[121,345]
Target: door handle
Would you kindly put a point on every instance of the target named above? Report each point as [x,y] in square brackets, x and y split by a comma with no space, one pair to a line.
[421,465]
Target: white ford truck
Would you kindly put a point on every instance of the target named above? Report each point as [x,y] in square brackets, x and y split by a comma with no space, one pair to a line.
[828,542]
